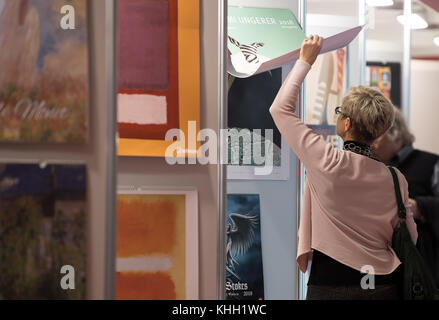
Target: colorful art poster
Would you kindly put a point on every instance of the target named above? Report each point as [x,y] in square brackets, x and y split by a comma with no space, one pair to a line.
[252,131]
[43,243]
[262,39]
[157,245]
[326,85]
[244,271]
[380,78]
[158,76]
[44,72]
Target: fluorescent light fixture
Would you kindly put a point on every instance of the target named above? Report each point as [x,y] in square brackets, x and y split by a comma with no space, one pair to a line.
[379,3]
[415,21]
[436,40]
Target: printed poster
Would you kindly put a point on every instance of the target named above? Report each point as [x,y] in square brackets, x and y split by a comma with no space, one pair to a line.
[43,228]
[254,140]
[262,39]
[44,72]
[157,245]
[244,272]
[158,76]
[380,78]
[148,68]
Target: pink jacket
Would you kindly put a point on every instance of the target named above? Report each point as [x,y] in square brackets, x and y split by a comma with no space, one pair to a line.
[349,206]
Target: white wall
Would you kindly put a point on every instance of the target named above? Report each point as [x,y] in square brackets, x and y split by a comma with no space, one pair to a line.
[424,104]
[333,7]
[384,36]
[384,51]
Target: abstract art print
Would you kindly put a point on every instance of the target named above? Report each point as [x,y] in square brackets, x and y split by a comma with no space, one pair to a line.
[44,72]
[148,68]
[42,230]
[244,271]
[157,245]
[159,74]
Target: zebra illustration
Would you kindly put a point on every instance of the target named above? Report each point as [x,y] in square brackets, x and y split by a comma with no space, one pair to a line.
[249,51]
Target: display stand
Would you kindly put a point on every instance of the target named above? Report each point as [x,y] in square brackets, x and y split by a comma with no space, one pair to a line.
[97,154]
[278,203]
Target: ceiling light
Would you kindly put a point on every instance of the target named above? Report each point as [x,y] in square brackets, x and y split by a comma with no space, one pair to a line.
[415,21]
[379,3]
[436,40]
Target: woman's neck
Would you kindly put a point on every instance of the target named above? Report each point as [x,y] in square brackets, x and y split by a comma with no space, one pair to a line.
[348,137]
[357,147]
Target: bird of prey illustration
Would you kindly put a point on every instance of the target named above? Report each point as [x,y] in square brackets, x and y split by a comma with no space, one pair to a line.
[240,236]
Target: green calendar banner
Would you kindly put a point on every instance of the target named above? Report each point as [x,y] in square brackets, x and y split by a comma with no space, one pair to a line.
[271,32]
[262,39]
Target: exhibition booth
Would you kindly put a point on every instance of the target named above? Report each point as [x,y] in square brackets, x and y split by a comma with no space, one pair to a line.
[139,157]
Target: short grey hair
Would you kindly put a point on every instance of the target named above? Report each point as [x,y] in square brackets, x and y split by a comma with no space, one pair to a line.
[399,131]
[370,111]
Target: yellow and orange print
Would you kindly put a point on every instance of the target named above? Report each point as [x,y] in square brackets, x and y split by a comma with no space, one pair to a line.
[151,247]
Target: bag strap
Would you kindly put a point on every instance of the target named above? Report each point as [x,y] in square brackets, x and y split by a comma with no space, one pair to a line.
[401,207]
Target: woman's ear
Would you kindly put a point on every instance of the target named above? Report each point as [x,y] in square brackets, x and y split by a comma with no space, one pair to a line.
[347,124]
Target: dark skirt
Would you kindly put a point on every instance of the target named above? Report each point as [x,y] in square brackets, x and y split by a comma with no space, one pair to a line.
[381,292]
[332,280]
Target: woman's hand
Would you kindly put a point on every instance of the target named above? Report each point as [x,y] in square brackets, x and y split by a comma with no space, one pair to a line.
[310,49]
[416,213]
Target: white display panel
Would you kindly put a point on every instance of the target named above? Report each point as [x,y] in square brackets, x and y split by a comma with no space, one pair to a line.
[278,204]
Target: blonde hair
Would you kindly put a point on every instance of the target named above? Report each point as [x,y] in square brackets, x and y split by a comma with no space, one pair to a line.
[371,113]
[399,132]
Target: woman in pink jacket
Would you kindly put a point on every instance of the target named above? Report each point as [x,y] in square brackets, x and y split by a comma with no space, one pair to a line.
[349,206]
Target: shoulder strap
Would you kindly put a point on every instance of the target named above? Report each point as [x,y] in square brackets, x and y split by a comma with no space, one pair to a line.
[401,207]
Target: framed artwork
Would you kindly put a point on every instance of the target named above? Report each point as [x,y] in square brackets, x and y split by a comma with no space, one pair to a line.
[44,72]
[326,85]
[386,77]
[159,75]
[244,271]
[43,226]
[251,128]
[157,245]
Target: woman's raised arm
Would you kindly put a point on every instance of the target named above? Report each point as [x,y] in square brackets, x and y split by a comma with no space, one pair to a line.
[311,149]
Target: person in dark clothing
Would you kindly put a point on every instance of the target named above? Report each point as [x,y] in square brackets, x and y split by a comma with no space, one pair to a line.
[421,170]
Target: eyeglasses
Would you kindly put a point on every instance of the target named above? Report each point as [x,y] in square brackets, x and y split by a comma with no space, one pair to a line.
[338,112]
